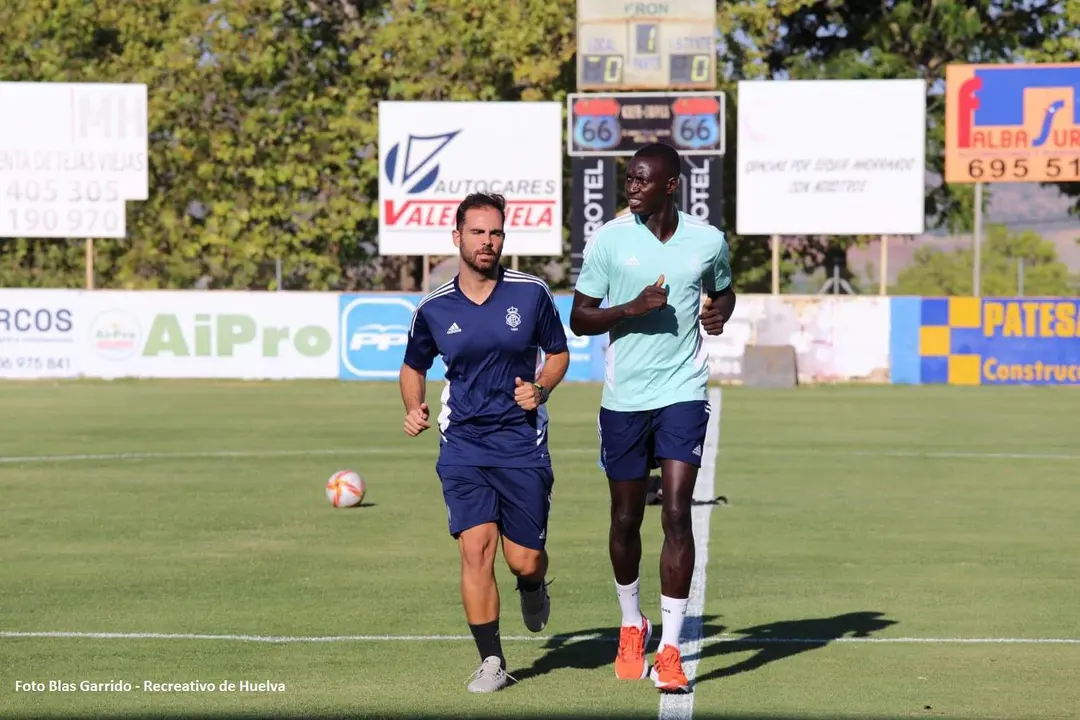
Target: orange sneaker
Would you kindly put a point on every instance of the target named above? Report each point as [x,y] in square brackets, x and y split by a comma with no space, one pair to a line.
[630,661]
[667,672]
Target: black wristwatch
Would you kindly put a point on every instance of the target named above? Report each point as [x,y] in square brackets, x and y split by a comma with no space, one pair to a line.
[543,392]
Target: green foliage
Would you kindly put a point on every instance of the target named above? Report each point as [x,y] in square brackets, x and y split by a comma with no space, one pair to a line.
[937,273]
[264,123]
[869,39]
[1061,44]
[264,114]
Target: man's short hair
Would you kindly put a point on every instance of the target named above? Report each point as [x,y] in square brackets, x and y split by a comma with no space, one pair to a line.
[667,154]
[480,200]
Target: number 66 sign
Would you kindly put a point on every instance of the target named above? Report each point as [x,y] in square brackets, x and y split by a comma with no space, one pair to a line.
[696,123]
[596,124]
[620,124]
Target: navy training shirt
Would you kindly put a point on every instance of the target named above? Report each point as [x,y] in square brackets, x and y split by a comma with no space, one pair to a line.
[484,348]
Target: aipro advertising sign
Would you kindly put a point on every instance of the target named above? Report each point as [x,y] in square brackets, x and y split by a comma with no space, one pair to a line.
[433,154]
[989,341]
[211,335]
[374,330]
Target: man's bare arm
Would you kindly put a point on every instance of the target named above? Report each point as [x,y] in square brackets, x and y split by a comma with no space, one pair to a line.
[413,387]
[554,370]
[588,318]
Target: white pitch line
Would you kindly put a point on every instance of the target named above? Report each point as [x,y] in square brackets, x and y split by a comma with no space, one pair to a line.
[412,452]
[716,639]
[112,457]
[682,706]
[933,455]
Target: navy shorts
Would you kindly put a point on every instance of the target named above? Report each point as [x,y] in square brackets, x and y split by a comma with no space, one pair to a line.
[632,444]
[518,500]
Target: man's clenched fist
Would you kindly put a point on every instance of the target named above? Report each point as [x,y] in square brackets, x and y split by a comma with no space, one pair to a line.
[526,395]
[416,421]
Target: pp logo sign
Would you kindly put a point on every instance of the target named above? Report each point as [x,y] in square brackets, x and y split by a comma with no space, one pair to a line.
[374,333]
[383,337]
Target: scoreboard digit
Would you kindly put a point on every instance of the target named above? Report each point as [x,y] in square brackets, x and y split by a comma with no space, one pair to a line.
[603,70]
[661,45]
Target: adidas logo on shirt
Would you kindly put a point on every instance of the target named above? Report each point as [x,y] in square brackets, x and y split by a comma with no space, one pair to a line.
[453,329]
[632,261]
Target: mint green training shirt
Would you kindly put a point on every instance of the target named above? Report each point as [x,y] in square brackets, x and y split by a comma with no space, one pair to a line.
[659,359]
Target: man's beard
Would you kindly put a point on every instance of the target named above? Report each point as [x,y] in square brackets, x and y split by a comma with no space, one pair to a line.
[488,272]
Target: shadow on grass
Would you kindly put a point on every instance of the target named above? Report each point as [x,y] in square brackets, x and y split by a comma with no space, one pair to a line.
[769,643]
[787,638]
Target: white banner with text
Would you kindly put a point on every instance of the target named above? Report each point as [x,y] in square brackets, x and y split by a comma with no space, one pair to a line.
[831,157]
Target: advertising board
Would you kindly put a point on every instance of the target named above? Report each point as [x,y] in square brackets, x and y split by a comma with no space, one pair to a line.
[374,329]
[986,341]
[71,155]
[831,157]
[40,332]
[433,154]
[1012,123]
[619,124]
[221,334]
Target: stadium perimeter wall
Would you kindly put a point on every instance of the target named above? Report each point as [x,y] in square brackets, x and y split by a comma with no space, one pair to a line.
[361,336]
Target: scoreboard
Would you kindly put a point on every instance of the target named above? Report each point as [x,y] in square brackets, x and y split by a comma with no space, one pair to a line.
[662,45]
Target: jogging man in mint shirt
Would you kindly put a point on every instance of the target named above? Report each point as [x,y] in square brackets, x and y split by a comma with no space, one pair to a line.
[652,266]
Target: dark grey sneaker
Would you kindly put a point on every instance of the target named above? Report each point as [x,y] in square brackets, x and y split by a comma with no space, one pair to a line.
[489,677]
[535,607]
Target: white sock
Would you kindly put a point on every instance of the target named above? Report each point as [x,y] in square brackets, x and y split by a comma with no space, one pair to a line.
[673,611]
[628,601]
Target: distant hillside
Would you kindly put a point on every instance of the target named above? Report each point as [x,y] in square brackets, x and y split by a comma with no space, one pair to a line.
[1020,206]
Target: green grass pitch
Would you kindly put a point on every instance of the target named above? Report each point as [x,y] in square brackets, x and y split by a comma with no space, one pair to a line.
[917,517]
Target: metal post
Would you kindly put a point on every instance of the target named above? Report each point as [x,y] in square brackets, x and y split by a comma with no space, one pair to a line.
[277,273]
[89,263]
[883,280]
[427,274]
[513,262]
[1020,276]
[775,264]
[976,272]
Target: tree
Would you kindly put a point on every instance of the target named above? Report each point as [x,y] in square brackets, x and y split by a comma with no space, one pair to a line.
[253,145]
[871,39]
[937,273]
[264,123]
[1061,44]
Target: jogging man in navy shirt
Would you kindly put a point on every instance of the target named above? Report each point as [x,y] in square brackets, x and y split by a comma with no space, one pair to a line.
[489,324]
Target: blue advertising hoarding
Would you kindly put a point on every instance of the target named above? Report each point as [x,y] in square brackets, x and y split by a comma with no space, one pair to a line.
[986,341]
[374,329]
